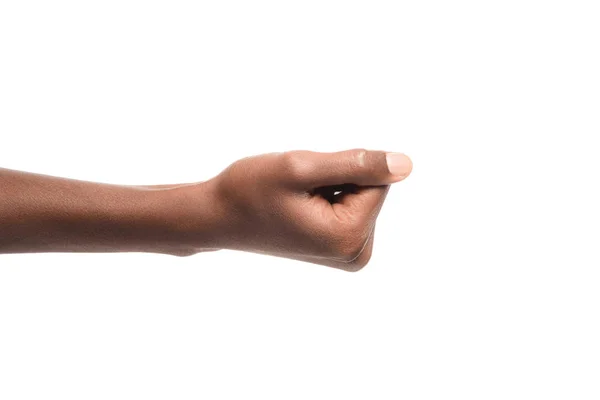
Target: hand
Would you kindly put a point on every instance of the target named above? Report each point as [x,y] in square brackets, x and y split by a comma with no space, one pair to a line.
[314,207]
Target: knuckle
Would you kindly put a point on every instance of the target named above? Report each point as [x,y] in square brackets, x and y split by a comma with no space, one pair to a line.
[350,249]
[359,263]
[358,255]
[295,165]
[359,157]
[184,252]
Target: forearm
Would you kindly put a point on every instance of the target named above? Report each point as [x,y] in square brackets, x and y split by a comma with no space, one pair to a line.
[40,213]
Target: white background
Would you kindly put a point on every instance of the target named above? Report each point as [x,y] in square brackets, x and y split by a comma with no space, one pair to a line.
[485,279]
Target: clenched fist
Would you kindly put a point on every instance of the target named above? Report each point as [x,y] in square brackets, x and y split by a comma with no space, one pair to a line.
[314,207]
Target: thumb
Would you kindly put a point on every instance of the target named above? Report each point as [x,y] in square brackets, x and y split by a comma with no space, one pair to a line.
[358,166]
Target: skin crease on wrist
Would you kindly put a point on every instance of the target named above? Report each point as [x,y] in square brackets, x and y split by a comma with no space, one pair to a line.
[314,207]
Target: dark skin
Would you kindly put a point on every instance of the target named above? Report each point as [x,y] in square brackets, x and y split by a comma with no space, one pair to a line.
[314,207]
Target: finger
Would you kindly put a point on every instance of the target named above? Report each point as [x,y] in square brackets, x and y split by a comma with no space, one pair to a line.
[352,265]
[358,166]
[365,201]
[361,206]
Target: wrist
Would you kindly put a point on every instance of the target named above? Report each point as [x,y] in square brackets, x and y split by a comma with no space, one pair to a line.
[186,219]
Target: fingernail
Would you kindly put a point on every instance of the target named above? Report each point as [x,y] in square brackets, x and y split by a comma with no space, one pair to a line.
[399,164]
